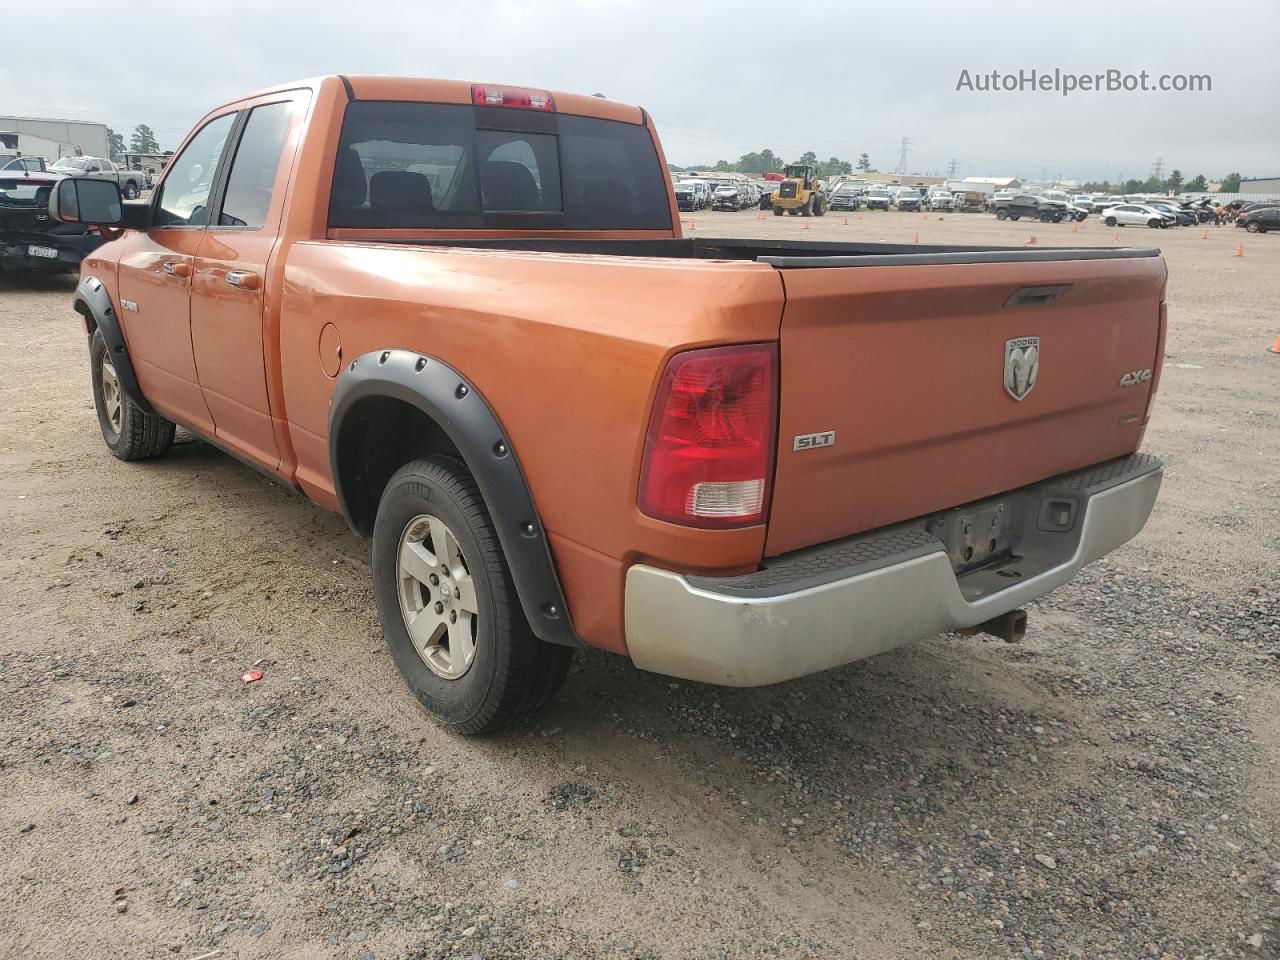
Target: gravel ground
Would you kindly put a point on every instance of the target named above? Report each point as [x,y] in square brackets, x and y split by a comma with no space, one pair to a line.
[1107,789]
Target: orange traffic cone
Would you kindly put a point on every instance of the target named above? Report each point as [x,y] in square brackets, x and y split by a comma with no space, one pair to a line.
[806,225]
[1240,250]
[859,216]
[760,215]
[1030,241]
[923,214]
[1204,234]
[1075,228]
[1275,347]
[1116,238]
[916,238]
[693,224]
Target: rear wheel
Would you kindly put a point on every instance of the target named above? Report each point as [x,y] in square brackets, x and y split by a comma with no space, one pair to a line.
[449,610]
[1155,223]
[819,207]
[1002,214]
[129,432]
[1252,227]
[131,191]
[778,211]
[1110,221]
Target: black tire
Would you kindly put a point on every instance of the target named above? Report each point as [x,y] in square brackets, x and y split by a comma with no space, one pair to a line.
[1014,216]
[1155,223]
[1002,214]
[819,207]
[129,432]
[1110,221]
[513,672]
[131,190]
[807,209]
[778,211]
[1251,227]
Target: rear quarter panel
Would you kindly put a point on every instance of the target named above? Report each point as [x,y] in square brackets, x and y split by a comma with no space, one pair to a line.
[566,349]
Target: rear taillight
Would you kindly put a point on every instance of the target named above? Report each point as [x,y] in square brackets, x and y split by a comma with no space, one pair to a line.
[708,455]
[488,96]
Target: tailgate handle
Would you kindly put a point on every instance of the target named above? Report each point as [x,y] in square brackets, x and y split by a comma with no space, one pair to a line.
[1036,296]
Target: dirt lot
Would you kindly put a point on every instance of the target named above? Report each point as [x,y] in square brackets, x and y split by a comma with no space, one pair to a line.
[1109,788]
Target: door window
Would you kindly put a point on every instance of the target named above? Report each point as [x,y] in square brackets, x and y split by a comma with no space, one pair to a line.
[253,171]
[184,194]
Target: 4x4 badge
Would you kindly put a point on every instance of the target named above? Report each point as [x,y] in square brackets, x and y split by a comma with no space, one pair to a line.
[1021,365]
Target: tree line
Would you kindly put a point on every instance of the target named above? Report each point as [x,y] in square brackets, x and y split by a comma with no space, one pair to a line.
[766,161]
[1173,184]
[143,140]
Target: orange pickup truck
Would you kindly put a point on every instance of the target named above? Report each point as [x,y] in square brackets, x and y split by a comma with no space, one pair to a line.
[464,316]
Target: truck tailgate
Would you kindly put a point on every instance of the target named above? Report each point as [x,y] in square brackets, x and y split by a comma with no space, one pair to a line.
[906,364]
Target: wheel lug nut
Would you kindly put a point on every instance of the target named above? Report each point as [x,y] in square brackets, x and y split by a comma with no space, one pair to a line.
[457,594]
[453,616]
[439,607]
[435,581]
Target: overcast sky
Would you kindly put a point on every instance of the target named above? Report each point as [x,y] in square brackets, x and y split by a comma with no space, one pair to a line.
[722,79]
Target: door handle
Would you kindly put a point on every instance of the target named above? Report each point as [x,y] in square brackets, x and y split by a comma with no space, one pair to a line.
[244,279]
[177,268]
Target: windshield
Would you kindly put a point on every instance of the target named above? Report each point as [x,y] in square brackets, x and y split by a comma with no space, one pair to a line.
[726,189]
[942,193]
[849,188]
[879,193]
[908,194]
[71,163]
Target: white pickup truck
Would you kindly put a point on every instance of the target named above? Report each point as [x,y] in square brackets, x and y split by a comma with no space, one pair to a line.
[130,181]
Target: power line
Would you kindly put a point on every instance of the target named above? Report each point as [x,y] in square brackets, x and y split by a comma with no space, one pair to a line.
[951,169]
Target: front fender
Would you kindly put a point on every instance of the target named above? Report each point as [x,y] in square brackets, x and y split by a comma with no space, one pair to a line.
[458,408]
[92,301]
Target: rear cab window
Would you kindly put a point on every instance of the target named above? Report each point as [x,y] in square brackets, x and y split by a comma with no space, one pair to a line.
[453,166]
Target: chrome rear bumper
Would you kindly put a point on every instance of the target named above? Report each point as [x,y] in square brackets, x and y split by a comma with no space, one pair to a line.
[842,602]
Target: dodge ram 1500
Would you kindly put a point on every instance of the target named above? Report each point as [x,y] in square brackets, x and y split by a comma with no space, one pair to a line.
[464,316]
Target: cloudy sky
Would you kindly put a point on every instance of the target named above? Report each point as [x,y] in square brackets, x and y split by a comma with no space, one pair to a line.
[723,79]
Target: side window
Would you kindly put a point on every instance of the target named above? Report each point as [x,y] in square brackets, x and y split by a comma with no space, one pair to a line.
[184,195]
[253,171]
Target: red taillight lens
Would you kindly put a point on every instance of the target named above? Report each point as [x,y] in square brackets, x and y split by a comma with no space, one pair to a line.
[708,455]
[486,96]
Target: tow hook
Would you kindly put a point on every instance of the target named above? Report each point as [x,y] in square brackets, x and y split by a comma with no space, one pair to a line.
[1010,627]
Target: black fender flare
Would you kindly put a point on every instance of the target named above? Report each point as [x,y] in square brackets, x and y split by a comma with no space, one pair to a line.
[93,301]
[459,409]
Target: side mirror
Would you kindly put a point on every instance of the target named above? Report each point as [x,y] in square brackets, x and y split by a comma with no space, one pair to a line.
[86,201]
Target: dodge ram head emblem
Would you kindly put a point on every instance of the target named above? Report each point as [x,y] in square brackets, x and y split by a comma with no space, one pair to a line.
[1021,365]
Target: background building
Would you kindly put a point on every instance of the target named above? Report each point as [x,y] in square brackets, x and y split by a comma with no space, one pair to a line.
[52,139]
[1267,185]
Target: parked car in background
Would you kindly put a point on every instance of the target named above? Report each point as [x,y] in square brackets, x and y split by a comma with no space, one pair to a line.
[1083,201]
[29,239]
[1181,217]
[728,196]
[27,164]
[908,198]
[1260,220]
[688,196]
[1137,215]
[1030,206]
[130,181]
[969,201]
[767,189]
[877,198]
[848,196]
[999,197]
[1058,200]
[940,200]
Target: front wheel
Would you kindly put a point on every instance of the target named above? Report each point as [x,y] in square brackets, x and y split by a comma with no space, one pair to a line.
[1251,227]
[129,432]
[1110,221]
[131,191]
[1001,214]
[448,606]
[1155,224]
[778,211]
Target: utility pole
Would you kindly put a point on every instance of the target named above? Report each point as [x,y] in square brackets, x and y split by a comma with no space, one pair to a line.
[1157,169]
[951,169]
[902,156]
